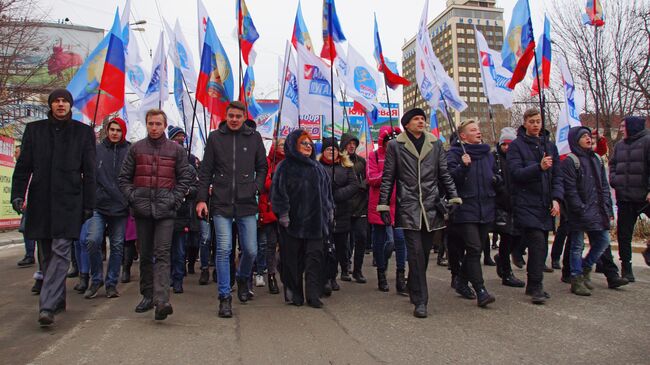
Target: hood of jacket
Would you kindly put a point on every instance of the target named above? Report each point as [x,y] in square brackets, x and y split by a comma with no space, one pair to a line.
[223,128]
[384,132]
[291,148]
[347,138]
[575,133]
[122,124]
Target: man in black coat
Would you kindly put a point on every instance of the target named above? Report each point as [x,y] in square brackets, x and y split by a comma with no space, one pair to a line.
[417,164]
[629,175]
[58,155]
[235,164]
[534,167]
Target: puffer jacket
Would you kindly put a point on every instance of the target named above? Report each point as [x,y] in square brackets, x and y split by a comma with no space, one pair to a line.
[109,200]
[534,189]
[586,191]
[155,178]
[186,214]
[375,171]
[503,221]
[344,187]
[266,215]
[629,168]
[359,202]
[416,177]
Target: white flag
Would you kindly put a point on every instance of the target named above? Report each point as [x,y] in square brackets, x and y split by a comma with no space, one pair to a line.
[361,81]
[570,111]
[495,77]
[289,98]
[433,81]
[135,72]
[202,23]
[157,90]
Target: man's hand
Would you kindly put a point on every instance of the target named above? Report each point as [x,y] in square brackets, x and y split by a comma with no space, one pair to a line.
[17,204]
[555,209]
[466,159]
[456,201]
[385,217]
[283,220]
[202,210]
[547,162]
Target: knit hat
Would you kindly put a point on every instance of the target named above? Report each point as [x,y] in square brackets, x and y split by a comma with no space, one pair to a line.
[582,132]
[634,125]
[173,130]
[330,142]
[508,134]
[406,118]
[121,123]
[60,93]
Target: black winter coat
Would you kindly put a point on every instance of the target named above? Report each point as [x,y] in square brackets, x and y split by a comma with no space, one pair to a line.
[235,164]
[109,199]
[504,220]
[59,156]
[359,202]
[629,168]
[416,177]
[301,188]
[586,191]
[534,189]
[475,183]
[187,211]
[345,186]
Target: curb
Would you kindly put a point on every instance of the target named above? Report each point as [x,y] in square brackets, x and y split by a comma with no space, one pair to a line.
[11,242]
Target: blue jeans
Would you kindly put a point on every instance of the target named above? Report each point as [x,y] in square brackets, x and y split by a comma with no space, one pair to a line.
[260,260]
[30,246]
[80,251]
[116,228]
[178,256]
[383,236]
[247,227]
[204,243]
[598,240]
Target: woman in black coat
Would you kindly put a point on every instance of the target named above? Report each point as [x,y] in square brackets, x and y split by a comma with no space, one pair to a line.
[301,197]
[344,185]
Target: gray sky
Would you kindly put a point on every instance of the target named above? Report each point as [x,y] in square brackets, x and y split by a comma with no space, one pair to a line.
[274,20]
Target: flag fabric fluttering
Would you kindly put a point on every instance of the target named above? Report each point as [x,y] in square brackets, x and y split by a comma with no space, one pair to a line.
[290,106]
[570,111]
[366,145]
[158,89]
[332,32]
[94,75]
[300,32]
[544,58]
[361,81]
[519,46]
[494,76]
[246,30]
[202,16]
[433,81]
[389,69]
[215,84]
[594,14]
[135,72]
[246,94]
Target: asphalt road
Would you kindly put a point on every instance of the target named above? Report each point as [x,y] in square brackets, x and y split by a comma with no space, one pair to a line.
[359,325]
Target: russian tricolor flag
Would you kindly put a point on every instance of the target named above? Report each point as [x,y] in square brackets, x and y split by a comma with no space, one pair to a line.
[300,32]
[393,79]
[332,32]
[246,30]
[544,57]
[519,46]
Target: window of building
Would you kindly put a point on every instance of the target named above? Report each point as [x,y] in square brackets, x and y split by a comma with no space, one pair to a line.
[462,69]
[460,31]
[461,40]
[463,89]
[462,79]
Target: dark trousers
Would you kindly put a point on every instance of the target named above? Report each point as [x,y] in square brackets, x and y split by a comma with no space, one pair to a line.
[506,246]
[473,236]
[628,212]
[340,241]
[418,247]
[455,254]
[358,241]
[55,255]
[300,257]
[606,264]
[537,241]
[155,238]
[560,242]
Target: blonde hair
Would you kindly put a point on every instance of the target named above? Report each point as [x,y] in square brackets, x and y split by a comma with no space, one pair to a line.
[345,159]
[465,123]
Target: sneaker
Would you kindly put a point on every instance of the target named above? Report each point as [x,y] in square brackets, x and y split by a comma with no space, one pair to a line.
[345,276]
[92,290]
[259,281]
[111,292]
[463,289]
[512,281]
[26,262]
[483,298]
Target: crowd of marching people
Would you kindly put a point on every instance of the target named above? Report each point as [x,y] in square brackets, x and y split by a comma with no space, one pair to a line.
[297,222]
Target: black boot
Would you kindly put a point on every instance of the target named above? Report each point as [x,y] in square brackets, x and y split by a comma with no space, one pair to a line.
[358,277]
[192,253]
[204,279]
[400,283]
[497,260]
[36,288]
[273,284]
[463,289]
[626,271]
[420,311]
[73,271]
[146,304]
[616,282]
[162,311]
[511,280]
[225,307]
[82,286]
[127,261]
[242,290]
[345,275]
[45,318]
[483,298]
[382,283]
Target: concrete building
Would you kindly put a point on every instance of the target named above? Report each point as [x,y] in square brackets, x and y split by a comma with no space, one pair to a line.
[453,40]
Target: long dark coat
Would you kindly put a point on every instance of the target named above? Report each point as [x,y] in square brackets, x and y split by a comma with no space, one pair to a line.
[60,158]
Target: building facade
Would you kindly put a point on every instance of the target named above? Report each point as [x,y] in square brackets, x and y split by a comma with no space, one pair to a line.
[453,39]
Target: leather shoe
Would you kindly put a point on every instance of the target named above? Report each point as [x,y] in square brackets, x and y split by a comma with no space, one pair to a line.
[45,318]
[225,307]
[420,311]
[616,282]
[163,310]
[483,298]
[145,305]
[512,281]
[315,303]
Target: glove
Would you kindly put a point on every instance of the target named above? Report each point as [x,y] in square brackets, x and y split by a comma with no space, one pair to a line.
[284,220]
[88,213]
[455,201]
[17,204]
[385,217]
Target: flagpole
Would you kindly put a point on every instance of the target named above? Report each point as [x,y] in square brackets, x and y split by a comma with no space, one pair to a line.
[194,104]
[345,111]
[597,83]
[205,123]
[99,94]
[454,130]
[390,112]
[276,132]
[241,86]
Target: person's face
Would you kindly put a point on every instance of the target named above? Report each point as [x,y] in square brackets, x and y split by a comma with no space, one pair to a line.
[471,134]
[305,147]
[585,141]
[416,125]
[17,152]
[235,119]
[533,125]
[622,129]
[179,138]
[504,147]
[351,147]
[156,126]
[329,151]
[280,147]
[60,108]
[114,133]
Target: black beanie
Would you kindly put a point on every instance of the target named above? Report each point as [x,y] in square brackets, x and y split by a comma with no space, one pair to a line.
[634,125]
[406,118]
[59,93]
[330,142]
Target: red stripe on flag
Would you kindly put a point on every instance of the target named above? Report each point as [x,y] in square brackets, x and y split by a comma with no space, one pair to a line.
[520,71]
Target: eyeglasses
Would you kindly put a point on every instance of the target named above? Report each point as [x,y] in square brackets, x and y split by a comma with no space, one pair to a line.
[306,144]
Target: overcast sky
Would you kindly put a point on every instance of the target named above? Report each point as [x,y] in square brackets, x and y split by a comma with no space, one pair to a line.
[274,20]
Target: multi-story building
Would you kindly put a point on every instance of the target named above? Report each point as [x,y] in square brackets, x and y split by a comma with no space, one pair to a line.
[453,40]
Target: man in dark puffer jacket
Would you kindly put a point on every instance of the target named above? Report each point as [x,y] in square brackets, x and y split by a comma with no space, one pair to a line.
[155,178]
[629,175]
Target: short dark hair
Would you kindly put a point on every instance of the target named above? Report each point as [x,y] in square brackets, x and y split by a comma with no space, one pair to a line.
[152,112]
[236,105]
[530,113]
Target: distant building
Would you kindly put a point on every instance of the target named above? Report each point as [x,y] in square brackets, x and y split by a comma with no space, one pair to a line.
[453,40]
